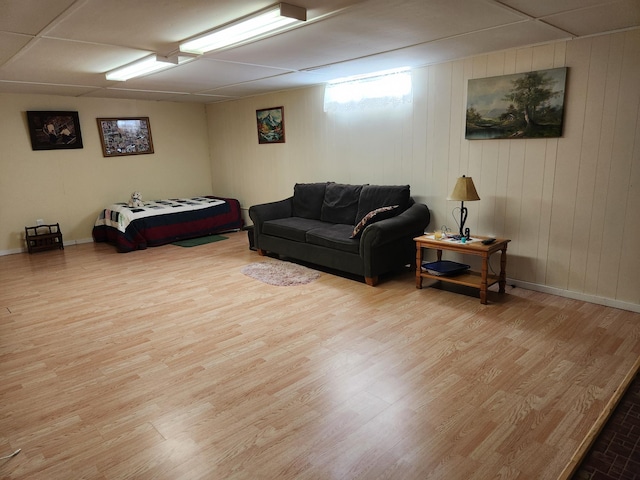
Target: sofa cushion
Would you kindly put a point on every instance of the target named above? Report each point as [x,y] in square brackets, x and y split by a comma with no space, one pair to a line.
[374,216]
[340,203]
[334,236]
[307,199]
[376,196]
[292,228]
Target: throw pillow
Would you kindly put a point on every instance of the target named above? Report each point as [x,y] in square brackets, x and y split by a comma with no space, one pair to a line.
[307,200]
[373,216]
[340,203]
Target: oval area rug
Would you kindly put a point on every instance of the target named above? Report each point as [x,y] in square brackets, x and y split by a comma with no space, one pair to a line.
[281,274]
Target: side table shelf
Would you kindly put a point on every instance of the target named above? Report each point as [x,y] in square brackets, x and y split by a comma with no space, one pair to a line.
[481,280]
[43,237]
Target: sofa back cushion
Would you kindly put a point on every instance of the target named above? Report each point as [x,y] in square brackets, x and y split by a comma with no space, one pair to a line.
[373,197]
[307,200]
[340,203]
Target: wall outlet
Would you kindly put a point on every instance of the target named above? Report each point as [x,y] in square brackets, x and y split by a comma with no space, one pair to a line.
[39,222]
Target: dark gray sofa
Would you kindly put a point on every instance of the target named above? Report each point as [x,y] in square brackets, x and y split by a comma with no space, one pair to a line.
[364,230]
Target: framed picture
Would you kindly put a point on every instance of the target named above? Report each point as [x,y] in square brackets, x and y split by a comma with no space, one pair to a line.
[125,136]
[523,105]
[270,125]
[54,130]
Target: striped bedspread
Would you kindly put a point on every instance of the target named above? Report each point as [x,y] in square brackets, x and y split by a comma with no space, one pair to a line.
[160,222]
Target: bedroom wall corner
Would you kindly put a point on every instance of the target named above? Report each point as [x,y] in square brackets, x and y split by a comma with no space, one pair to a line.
[70,187]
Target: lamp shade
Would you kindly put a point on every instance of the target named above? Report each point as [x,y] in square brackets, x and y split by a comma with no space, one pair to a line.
[464,191]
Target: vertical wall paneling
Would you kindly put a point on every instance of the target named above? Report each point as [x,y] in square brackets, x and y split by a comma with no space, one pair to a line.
[628,289]
[544,226]
[584,233]
[567,166]
[513,211]
[420,180]
[616,171]
[621,172]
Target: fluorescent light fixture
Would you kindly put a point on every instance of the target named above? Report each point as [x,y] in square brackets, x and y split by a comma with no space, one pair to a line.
[265,22]
[144,66]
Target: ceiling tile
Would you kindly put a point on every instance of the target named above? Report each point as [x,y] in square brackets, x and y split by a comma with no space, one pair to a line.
[590,21]
[364,30]
[542,8]
[47,89]
[30,16]
[202,74]
[10,45]
[68,63]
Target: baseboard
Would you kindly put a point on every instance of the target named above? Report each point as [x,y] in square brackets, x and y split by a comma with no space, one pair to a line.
[65,243]
[12,251]
[608,302]
[78,242]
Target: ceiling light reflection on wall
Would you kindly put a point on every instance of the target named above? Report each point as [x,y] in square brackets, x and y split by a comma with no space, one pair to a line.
[144,66]
[258,25]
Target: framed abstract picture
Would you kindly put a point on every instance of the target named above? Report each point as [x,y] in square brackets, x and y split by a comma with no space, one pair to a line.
[270,125]
[125,136]
[522,105]
[53,130]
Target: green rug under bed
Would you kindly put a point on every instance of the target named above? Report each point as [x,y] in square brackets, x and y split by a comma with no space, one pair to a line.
[194,242]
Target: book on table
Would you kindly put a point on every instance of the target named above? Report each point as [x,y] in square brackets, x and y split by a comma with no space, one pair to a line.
[444,268]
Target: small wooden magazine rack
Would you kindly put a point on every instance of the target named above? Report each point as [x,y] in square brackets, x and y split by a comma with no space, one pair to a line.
[43,237]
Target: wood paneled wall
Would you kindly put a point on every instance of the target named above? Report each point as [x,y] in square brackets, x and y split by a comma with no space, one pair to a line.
[570,204]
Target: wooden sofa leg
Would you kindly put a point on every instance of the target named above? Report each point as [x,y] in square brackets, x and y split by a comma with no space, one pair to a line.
[261,252]
[371,281]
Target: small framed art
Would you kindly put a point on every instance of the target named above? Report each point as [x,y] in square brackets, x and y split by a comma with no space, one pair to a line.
[125,136]
[53,130]
[270,125]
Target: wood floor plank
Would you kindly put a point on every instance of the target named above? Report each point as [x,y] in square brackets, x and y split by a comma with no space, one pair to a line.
[169,363]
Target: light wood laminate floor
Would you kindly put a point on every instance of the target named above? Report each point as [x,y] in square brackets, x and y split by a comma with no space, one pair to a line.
[169,363]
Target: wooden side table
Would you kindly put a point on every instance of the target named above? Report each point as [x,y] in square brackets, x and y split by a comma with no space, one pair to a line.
[481,280]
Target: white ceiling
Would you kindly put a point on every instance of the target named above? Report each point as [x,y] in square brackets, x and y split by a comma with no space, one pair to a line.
[64,47]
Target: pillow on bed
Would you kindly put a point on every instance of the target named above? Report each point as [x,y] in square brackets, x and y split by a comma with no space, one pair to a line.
[374,216]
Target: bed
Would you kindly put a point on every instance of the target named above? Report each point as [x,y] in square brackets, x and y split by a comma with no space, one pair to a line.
[160,222]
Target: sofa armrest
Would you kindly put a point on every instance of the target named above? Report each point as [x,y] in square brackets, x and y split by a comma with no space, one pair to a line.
[268,211]
[410,223]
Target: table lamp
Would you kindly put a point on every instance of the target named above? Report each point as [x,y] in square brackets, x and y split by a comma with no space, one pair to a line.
[464,191]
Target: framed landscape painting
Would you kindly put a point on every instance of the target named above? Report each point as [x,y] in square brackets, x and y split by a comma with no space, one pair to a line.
[54,130]
[270,125]
[125,136]
[522,105]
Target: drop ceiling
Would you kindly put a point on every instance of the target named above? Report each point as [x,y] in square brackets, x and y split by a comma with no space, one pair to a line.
[65,47]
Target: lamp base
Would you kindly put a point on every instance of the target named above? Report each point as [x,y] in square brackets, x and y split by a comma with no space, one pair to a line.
[463,218]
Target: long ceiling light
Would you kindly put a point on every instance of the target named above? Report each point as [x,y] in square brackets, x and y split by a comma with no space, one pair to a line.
[144,66]
[265,22]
